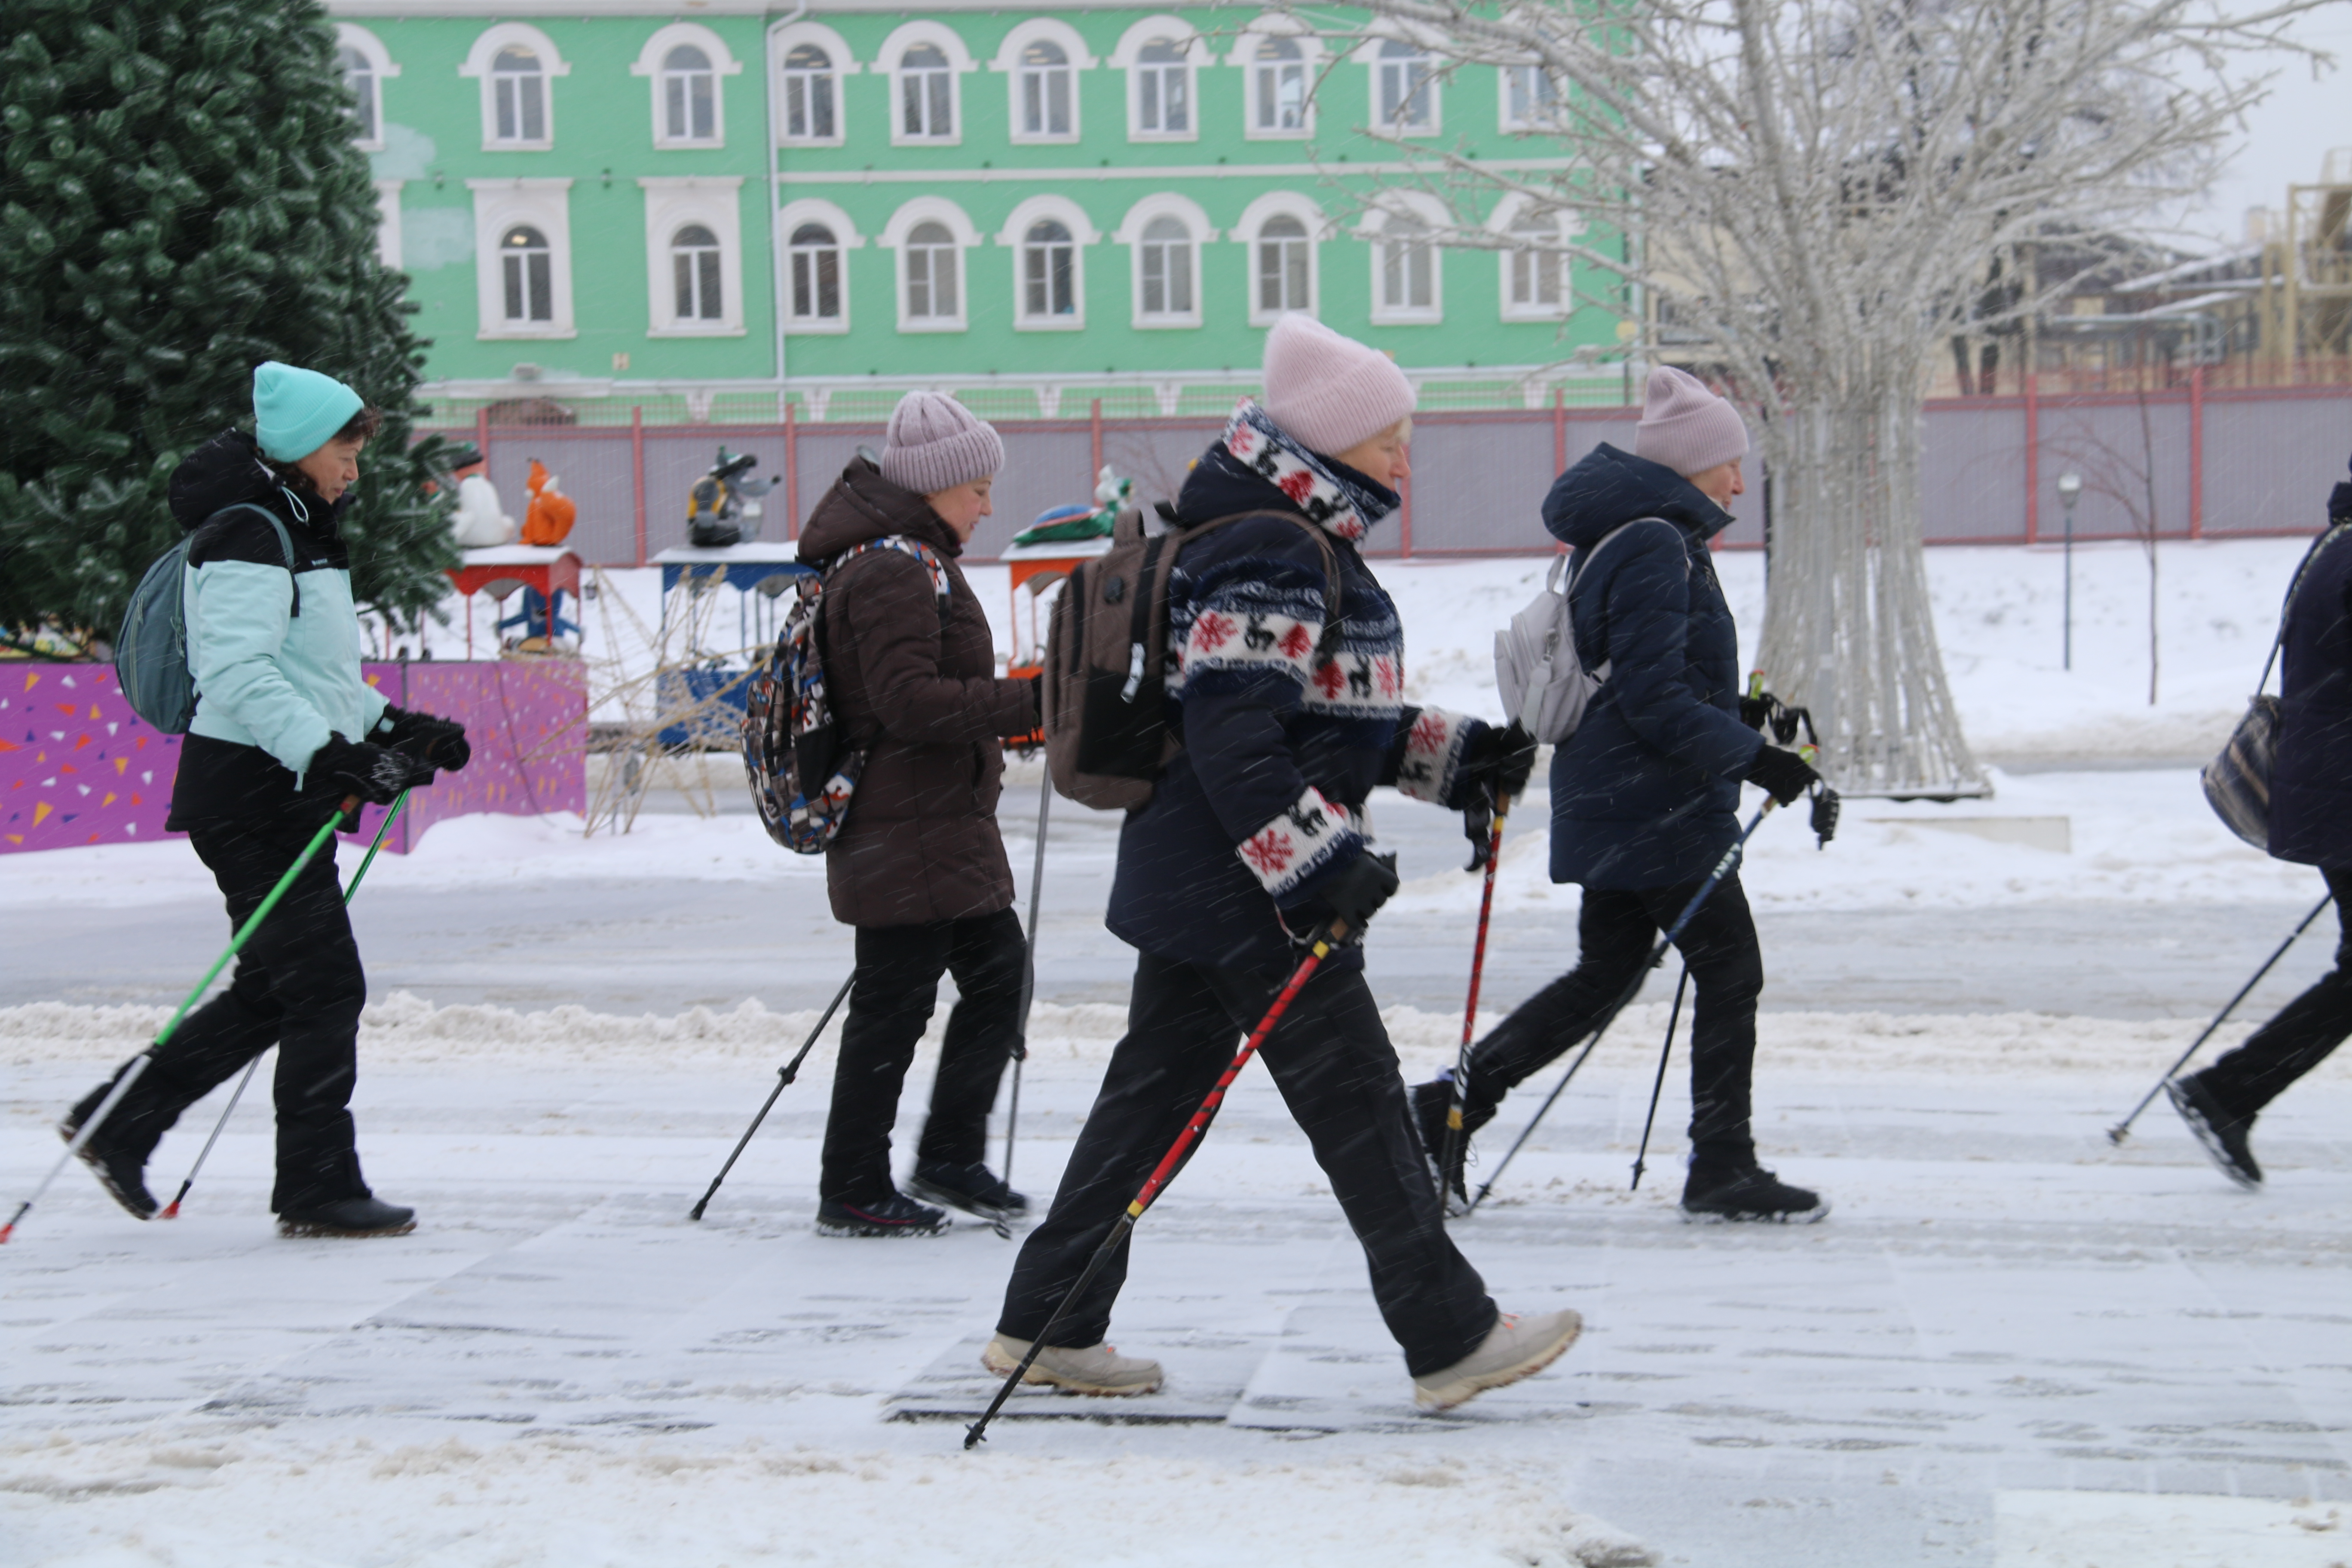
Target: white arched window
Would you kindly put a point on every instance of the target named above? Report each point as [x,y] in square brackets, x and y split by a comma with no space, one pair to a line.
[360,55]
[1404,95]
[1530,98]
[518,96]
[1049,273]
[1163,90]
[811,95]
[934,268]
[690,90]
[1538,275]
[1277,91]
[1404,271]
[694,275]
[1046,88]
[1164,269]
[813,259]
[926,94]
[527,273]
[1283,268]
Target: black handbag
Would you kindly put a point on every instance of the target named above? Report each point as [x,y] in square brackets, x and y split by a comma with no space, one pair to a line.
[2238,781]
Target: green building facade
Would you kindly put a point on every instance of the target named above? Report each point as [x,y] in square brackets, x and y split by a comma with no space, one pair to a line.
[711,213]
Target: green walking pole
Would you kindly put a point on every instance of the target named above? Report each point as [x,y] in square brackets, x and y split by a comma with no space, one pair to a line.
[171,1209]
[139,1063]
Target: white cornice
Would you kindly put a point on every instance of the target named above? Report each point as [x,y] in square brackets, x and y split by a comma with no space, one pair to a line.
[1142,172]
[649,10]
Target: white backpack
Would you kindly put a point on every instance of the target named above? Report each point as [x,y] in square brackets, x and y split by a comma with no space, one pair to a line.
[1544,685]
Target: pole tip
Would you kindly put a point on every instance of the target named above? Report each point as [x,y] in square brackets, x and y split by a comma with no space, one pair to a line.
[170,1210]
[695,1211]
[976,1435]
[6,1231]
[2118,1134]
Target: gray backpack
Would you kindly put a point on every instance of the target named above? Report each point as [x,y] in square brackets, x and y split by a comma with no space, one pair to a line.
[1544,684]
[150,651]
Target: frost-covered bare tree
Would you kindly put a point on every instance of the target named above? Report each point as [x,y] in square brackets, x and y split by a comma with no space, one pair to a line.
[1822,191]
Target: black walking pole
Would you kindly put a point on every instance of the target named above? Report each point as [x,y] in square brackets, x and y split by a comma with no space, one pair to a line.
[1723,868]
[1642,1155]
[1028,984]
[140,1063]
[2122,1130]
[785,1075]
[171,1209]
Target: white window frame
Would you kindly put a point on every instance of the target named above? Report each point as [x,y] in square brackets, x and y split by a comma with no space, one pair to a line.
[960,64]
[1371,53]
[1433,219]
[1505,222]
[380,65]
[1129,233]
[1014,236]
[387,222]
[1244,55]
[552,65]
[1509,124]
[959,225]
[846,238]
[1283,203]
[1007,60]
[1128,57]
[844,63]
[649,65]
[546,205]
[716,202]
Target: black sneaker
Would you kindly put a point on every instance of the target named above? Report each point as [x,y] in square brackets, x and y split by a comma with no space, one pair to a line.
[2223,1134]
[975,1189]
[893,1215]
[123,1174]
[349,1217]
[1755,1194]
[1433,1105]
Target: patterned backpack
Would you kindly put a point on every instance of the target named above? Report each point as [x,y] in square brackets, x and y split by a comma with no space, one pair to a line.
[791,737]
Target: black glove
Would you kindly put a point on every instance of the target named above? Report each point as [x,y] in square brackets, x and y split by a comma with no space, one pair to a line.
[1499,760]
[1479,827]
[1825,817]
[1757,711]
[375,774]
[428,737]
[1784,775]
[1351,897]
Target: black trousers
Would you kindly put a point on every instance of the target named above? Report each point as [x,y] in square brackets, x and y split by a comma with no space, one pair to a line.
[299,986]
[1614,933]
[896,987]
[2299,1039]
[1331,1059]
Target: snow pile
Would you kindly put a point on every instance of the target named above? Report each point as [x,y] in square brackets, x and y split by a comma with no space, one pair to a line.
[403,1031]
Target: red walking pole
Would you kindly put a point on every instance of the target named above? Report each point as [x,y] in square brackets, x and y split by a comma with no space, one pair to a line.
[1470,1010]
[978,1430]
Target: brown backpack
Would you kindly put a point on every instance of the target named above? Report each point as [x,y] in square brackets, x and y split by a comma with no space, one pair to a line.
[1107,734]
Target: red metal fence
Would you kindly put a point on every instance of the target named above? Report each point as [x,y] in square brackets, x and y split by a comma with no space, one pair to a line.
[2198,462]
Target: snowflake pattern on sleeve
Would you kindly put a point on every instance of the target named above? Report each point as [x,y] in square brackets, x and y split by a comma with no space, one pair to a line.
[1432,751]
[1303,840]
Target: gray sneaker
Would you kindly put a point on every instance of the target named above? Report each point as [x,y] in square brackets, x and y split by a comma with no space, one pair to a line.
[1516,1348]
[1096,1369]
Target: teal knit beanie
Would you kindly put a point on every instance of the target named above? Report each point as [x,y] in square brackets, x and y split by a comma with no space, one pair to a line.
[296,412]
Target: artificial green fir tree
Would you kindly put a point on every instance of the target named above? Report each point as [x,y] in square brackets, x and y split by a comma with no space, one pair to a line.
[179,199]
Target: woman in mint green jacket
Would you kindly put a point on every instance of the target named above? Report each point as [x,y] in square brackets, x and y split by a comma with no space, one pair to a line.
[286,727]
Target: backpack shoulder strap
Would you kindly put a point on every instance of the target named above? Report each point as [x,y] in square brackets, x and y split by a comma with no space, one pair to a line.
[1331,580]
[1602,543]
[2294,587]
[285,541]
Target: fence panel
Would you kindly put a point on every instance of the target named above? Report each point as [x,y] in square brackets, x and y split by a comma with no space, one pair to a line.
[2270,459]
[2123,448]
[1971,471]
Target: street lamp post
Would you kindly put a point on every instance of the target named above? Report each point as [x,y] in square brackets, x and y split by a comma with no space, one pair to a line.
[2070,486]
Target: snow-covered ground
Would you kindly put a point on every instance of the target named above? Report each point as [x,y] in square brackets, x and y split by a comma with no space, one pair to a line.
[2013,1344]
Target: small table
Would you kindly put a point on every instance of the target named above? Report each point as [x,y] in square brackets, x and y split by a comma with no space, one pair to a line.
[546,571]
[1038,567]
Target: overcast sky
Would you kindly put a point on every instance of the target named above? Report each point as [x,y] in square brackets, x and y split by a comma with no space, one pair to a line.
[2288,133]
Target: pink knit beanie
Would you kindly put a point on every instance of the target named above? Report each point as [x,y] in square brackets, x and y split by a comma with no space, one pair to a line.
[935,443]
[1687,427]
[1330,391]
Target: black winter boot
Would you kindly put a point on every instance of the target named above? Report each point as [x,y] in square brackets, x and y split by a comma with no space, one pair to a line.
[359,1216]
[1433,1103]
[117,1153]
[893,1215]
[1717,1192]
[2223,1134]
[975,1188]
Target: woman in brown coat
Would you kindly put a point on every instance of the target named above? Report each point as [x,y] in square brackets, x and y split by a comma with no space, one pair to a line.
[919,869]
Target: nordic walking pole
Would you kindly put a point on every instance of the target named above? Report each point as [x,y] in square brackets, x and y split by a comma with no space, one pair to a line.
[977,1432]
[1642,1155]
[2122,1130]
[1028,986]
[1461,1091]
[140,1063]
[171,1209]
[785,1075]
[1723,868]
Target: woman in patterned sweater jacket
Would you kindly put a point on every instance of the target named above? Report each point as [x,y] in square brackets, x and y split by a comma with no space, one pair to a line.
[1287,692]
